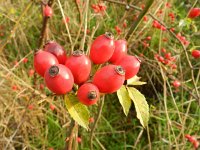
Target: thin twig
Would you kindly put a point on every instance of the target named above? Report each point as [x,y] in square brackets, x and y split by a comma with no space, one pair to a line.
[138,138]
[85,27]
[96,121]
[66,25]
[100,144]
[75,139]
[80,27]
[72,130]
[139,19]
[79,10]
[41,38]
[44,26]
[149,138]
[91,37]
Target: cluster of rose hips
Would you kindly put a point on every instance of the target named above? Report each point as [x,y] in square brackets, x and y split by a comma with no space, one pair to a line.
[118,29]
[157,25]
[61,72]
[182,39]
[192,140]
[99,8]
[172,16]
[167,59]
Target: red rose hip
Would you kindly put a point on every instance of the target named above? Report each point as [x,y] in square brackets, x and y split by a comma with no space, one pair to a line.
[48,12]
[131,65]
[88,94]
[57,50]
[168,56]
[80,66]
[43,60]
[194,12]
[176,83]
[102,48]
[109,78]
[120,50]
[59,79]
[196,53]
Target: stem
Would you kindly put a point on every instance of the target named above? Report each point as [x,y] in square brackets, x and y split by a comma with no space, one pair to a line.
[85,27]
[75,139]
[96,121]
[79,10]
[44,26]
[73,128]
[139,19]
[80,25]
[66,25]
[41,38]
[91,37]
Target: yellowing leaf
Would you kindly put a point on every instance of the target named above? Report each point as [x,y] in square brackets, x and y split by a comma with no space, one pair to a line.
[141,106]
[124,99]
[78,111]
[135,81]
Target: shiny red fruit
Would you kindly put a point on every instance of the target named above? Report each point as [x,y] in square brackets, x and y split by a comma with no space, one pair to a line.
[148,38]
[14,88]
[48,12]
[43,60]
[194,12]
[168,56]
[196,144]
[57,50]
[80,66]
[131,65]
[88,94]
[102,48]
[196,53]
[42,86]
[30,107]
[91,120]
[25,60]
[59,79]
[52,107]
[161,59]
[163,50]
[120,50]
[176,83]
[31,72]
[109,78]
[79,139]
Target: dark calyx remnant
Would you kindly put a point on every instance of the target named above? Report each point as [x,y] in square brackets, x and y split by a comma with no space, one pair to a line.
[120,70]
[53,71]
[78,53]
[92,95]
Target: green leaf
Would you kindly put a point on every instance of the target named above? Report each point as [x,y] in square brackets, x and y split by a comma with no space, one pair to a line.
[141,106]
[78,111]
[135,81]
[124,99]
